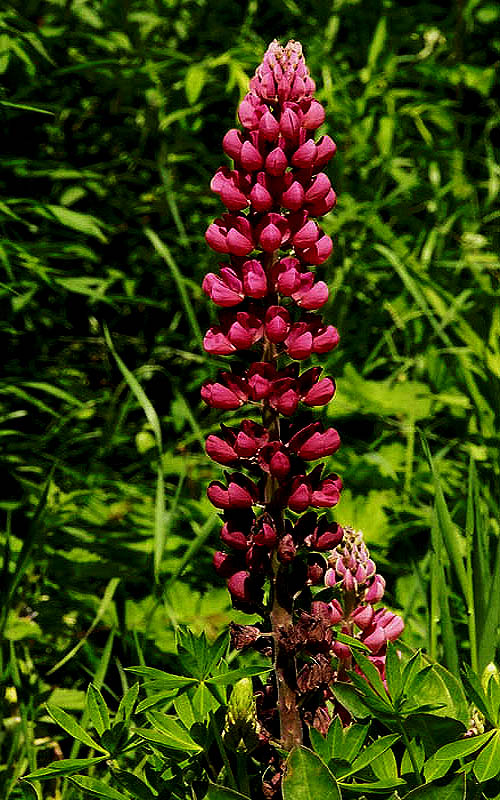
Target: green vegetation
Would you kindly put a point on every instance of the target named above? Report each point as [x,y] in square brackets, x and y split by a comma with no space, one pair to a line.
[112,117]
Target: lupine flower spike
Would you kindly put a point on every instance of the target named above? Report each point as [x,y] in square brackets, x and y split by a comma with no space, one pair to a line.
[274,190]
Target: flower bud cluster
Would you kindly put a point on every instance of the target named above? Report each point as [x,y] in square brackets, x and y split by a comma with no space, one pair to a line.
[268,296]
[281,389]
[353,573]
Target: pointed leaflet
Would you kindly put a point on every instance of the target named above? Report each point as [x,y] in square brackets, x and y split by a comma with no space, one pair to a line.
[372,752]
[97,710]
[488,761]
[308,778]
[64,767]
[97,788]
[455,790]
[72,727]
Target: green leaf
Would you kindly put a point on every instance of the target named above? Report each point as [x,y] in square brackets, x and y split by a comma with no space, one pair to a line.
[84,223]
[393,672]
[351,699]
[371,674]
[354,737]
[308,778]
[65,767]
[455,790]
[127,704]
[439,763]
[97,787]
[375,787]
[137,788]
[385,766]
[372,752]
[194,82]
[72,727]
[487,764]
[234,675]
[166,679]
[97,710]
[168,733]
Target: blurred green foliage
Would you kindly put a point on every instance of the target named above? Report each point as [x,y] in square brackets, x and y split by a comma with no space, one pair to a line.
[112,115]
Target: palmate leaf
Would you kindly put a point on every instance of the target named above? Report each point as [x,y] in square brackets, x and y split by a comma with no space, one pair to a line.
[372,752]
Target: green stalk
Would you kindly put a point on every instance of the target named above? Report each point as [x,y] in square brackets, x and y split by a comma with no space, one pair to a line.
[411,753]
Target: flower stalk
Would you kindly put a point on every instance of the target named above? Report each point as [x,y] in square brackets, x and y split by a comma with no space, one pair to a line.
[276,545]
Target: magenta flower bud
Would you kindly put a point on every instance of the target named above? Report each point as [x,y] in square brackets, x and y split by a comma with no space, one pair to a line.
[319,187]
[245,330]
[247,115]
[362,616]
[232,143]
[326,148]
[279,465]
[329,539]
[269,127]
[306,155]
[288,276]
[220,451]
[315,117]
[224,564]
[277,324]
[276,162]
[313,298]
[233,537]
[221,292]
[293,198]
[216,236]
[394,628]
[318,252]
[266,536]
[289,124]
[306,236]
[250,158]
[299,342]
[240,586]
[321,393]
[350,584]
[254,279]
[322,206]
[325,339]
[217,343]
[284,401]
[272,232]
[328,493]
[260,198]
[300,494]
[376,591]
[241,492]
[230,392]
[246,445]
[375,640]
